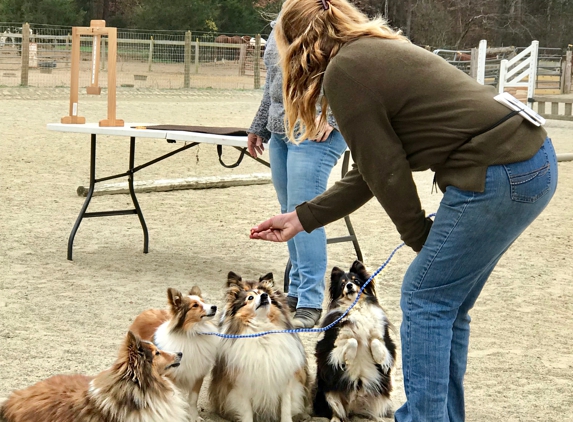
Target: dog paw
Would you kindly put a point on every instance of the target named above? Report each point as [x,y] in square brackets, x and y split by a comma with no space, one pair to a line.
[378,351]
[350,350]
[197,419]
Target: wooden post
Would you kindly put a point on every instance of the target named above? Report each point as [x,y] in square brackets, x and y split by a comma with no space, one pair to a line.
[256,62]
[567,73]
[103,52]
[111,81]
[68,39]
[474,63]
[187,59]
[74,83]
[25,54]
[562,78]
[150,59]
[242,59]
[197,56]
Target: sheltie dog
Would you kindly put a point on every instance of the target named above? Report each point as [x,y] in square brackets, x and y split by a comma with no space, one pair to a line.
[179,328]
[264,378]
[134,389]
[355,358]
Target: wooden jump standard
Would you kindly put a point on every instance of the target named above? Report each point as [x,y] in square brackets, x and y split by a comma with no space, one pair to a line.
[97,29]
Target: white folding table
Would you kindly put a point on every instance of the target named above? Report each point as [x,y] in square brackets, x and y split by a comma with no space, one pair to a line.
[139,130]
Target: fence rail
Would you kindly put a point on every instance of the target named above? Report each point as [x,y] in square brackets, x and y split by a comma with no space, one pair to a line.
[161,59]
[551,76]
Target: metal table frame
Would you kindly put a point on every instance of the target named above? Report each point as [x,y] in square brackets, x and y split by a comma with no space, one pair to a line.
[194,139]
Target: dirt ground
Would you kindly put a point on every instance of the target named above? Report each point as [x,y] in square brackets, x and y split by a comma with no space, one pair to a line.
[58,316]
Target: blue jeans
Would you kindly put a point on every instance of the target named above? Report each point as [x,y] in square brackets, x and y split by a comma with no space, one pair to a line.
[299,173]
[471,232]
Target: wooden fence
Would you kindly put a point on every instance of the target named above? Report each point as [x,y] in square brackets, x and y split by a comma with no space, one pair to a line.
[29,58]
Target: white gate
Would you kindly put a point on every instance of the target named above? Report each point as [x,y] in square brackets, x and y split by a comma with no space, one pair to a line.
[512,73]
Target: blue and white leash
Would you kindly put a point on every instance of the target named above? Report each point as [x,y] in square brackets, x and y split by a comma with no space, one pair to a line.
[312,330]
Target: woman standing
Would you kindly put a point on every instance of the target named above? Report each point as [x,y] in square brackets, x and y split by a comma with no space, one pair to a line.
[401,109]
[299,172]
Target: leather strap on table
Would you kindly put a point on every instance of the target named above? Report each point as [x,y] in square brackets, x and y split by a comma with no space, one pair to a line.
[230,166]
[227,131]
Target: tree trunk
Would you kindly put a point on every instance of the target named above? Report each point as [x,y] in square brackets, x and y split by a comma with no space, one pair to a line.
[409,8]
[549,7]
[105,10]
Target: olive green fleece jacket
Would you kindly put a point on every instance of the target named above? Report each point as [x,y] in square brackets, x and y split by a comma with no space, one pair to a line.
[400,109]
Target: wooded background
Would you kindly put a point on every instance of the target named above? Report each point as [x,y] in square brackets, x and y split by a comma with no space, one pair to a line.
[456,24]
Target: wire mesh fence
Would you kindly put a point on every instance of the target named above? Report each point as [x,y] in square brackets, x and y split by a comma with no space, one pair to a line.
[145,59]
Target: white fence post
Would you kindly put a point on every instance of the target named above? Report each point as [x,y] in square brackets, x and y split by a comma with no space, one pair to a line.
[532,73]
[481,61]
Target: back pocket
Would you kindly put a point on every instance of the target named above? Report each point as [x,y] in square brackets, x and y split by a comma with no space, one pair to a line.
[530,179]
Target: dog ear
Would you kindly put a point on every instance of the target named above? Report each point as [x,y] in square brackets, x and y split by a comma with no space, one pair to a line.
[335,277]
[174,298]
[195,291]
[336,274]
[234,279]
[267,280]
[359,269]
[136,356]
[132,342]
[133,348]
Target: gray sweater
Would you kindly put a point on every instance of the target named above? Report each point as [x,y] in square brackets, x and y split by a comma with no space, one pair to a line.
[270,116]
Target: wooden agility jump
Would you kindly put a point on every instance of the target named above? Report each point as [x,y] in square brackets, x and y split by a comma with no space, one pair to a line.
[97,29]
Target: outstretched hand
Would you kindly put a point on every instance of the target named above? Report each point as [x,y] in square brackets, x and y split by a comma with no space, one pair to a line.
[279,228]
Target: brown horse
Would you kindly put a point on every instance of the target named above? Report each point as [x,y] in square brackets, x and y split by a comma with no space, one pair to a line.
[230,53]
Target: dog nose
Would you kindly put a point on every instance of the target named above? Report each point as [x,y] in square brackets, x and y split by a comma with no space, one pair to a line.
[264,296]
[180,354]
[350,286]
[214,308]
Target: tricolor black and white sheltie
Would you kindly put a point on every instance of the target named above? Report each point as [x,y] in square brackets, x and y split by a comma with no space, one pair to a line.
[134,389]
[179,327]
[354,358]
[264,378]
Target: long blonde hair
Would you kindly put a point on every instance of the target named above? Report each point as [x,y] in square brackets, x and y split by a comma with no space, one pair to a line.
[308,37]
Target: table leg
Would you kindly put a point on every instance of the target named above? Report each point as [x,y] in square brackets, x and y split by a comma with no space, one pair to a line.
[352,235]
[136,210]
[133,197]
[88,197]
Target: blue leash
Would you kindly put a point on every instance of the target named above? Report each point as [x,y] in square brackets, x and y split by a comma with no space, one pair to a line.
[312,330]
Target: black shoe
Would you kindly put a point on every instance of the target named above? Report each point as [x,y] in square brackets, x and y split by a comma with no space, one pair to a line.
[306,317]
[292,302]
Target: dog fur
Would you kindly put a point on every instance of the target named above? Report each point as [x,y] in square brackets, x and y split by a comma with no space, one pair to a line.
[179,328]
[355,358]
[134,389]
[264,377]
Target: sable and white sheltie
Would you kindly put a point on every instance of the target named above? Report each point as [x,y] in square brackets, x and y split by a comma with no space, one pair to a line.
[134,389]
[179,328]
[264,377]
[355,358]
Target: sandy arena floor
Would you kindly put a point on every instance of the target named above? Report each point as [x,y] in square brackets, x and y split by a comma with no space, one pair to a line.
[58,316]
